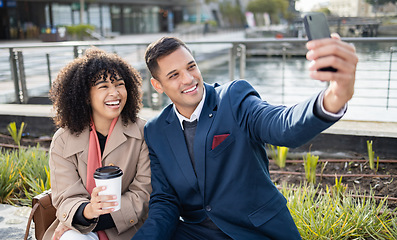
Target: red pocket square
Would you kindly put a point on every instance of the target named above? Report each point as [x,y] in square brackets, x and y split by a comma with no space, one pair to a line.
[218,139]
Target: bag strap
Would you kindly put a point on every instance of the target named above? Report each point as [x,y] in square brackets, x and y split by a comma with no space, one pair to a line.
[30,220]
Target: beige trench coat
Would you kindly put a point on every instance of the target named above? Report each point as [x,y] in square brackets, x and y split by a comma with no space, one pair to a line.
[125,148]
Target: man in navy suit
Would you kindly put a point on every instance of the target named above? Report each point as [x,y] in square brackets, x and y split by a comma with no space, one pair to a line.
[210,173]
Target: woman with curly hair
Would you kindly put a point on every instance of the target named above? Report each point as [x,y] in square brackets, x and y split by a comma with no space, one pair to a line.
[96,99]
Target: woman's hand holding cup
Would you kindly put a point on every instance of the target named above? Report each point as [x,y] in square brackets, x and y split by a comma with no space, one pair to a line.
[99,204]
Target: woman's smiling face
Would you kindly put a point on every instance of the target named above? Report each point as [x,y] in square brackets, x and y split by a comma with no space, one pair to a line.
[107,98]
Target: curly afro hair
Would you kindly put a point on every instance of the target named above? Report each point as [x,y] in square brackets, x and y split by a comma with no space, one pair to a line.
[71,90]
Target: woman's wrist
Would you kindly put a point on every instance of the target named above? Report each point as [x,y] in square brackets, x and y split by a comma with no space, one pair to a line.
[88,213]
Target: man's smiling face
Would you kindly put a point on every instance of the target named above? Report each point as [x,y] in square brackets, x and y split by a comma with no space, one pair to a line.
[179,77]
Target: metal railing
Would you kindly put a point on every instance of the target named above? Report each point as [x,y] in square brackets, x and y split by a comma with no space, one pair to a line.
[35,62]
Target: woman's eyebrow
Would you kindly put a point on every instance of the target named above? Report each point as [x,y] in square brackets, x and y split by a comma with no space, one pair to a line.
[99,82]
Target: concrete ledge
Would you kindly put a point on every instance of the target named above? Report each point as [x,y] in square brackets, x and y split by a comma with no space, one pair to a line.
[345,127]
[28,110]
[38,118]
[36,110]
[348,146]
[364,128]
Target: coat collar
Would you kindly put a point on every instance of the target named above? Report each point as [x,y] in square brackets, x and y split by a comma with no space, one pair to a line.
[79,143]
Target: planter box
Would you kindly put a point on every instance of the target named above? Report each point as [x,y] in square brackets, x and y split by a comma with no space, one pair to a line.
[52,37]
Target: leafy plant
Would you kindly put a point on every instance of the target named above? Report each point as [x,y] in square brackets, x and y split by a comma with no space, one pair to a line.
[34,186]
[34,174]
[15,134]
[339,189]
[23,174]
[79,31]
[272,7]
[321,215]
[8,177]
[323,165]
[280,156]
[371,157]
[310,163]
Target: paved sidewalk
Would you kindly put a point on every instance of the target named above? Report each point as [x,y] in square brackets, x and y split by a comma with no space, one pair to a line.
[13,221]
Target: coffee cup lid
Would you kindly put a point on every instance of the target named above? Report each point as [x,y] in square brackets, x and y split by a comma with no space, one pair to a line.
[108,172]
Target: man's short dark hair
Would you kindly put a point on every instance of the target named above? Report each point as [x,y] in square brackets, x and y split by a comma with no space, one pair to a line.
[161,48]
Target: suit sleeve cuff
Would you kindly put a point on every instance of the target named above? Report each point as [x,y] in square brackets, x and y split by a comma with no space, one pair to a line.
[323,114]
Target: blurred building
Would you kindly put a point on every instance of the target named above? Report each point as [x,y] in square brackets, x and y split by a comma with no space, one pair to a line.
[351,8]
[388,9]
[28,18]
[360,8]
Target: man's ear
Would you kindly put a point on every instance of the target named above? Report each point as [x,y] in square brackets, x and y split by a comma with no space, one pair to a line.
[156,85]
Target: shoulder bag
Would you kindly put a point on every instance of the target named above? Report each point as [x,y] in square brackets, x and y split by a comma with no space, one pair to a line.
[42,214]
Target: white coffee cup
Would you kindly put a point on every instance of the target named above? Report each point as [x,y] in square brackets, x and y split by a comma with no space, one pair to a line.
[110,177]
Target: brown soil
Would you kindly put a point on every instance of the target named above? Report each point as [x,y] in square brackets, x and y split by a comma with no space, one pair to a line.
[6,142]
[356,174]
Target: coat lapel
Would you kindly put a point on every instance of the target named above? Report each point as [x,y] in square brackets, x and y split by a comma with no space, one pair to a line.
[177,142]
[207,117]
[77,144]
[116,138]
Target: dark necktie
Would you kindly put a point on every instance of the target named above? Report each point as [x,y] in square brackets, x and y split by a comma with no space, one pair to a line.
[189,132]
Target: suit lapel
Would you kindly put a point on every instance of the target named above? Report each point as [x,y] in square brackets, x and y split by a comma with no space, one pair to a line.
[177,142]
[207,116]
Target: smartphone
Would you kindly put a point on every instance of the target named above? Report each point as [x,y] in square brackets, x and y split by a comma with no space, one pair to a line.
[316,27]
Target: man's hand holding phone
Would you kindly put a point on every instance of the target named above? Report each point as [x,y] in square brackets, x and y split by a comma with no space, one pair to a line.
[316,27]
[332,52]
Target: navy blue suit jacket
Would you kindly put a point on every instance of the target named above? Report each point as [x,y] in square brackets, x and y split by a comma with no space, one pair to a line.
[231,184]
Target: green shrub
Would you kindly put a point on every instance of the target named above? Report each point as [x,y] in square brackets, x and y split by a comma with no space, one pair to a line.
[212,23]
[24,173]
[8,177]
[78,32]
[339,189]
[322,215]
[35,174]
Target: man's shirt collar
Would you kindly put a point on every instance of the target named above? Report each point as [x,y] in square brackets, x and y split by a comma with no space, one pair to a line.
[195,115]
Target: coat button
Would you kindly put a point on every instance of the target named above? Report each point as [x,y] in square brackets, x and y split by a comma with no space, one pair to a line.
[208,208]
[131,221]
[210,115]
[64,215]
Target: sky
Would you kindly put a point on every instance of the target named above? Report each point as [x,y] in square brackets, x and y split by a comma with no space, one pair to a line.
[306,5]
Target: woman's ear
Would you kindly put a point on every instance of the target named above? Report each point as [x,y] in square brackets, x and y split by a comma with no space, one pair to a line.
[156,85]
